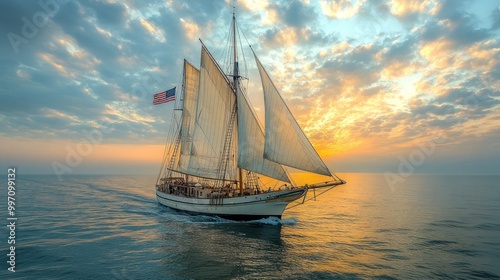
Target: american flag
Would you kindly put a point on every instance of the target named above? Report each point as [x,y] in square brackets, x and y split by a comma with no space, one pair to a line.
[164,97]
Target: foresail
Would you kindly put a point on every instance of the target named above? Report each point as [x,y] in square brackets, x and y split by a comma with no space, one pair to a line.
[213,112]
[285,142]
[251,144]
[190,98]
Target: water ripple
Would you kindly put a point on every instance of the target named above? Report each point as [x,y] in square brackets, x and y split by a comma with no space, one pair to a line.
[111,227]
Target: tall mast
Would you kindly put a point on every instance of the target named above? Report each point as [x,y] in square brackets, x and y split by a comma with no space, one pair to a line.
[235,55]
[236,80]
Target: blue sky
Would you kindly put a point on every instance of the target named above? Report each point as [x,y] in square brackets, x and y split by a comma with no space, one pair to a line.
[374,84]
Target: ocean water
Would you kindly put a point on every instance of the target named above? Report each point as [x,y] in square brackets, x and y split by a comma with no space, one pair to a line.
[111,227]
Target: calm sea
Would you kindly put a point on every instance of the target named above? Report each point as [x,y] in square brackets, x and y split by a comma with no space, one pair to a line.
[111,227]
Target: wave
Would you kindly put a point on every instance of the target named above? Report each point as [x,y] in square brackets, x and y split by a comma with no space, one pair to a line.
[438,242]
[177,216]
[275,221]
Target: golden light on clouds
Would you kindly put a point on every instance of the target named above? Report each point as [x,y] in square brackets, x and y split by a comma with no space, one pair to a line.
[104,32]
[51,113]
[153,30]
[191,29]
[287,36]
[329,127]
[252,5]
[484,56]
[437,53]
[55,62]
[399,68]
[147,25]
[340,48]
[408,87]
[271,17]
[405,7]
[124,112]
[83,58]
[341,9]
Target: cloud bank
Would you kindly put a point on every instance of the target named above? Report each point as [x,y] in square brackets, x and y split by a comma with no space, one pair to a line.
[368,80]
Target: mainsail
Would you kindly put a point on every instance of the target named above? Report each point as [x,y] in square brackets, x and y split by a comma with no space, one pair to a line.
[190,99]
[251,144]
[285,142]
[216,100]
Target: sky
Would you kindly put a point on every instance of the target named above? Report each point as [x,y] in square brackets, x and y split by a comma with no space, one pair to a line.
[378,86]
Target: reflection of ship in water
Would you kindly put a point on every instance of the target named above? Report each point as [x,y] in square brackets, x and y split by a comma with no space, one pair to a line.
[265,230]
[201,247]
[219,151]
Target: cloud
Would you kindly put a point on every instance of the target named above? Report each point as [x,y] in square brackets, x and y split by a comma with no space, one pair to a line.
[353,68]
[495,15]
[79,68]
[297,14]
[109,14]
[399,89]
[453,23]
[360,76]
[406,9]
[153,30]
[341,9]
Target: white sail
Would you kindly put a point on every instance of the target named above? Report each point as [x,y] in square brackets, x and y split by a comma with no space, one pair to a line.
[190,98]
[251,144]
[285,142]
[213,112]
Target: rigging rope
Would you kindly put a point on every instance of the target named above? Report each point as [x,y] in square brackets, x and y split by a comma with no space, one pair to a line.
[306,200]
[174,129]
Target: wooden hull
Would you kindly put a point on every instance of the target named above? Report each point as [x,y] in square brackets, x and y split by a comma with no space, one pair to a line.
[251,207]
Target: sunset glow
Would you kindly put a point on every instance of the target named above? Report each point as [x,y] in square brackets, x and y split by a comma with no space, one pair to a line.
[369,82]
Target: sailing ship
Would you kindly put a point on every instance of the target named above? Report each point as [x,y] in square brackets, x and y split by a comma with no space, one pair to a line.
[219,151]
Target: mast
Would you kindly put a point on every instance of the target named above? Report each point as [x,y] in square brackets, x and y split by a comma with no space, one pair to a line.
[178,138]
[236,81]
[235,56]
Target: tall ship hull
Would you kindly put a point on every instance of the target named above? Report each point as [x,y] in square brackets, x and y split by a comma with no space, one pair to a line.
[220,160]
[251,207]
